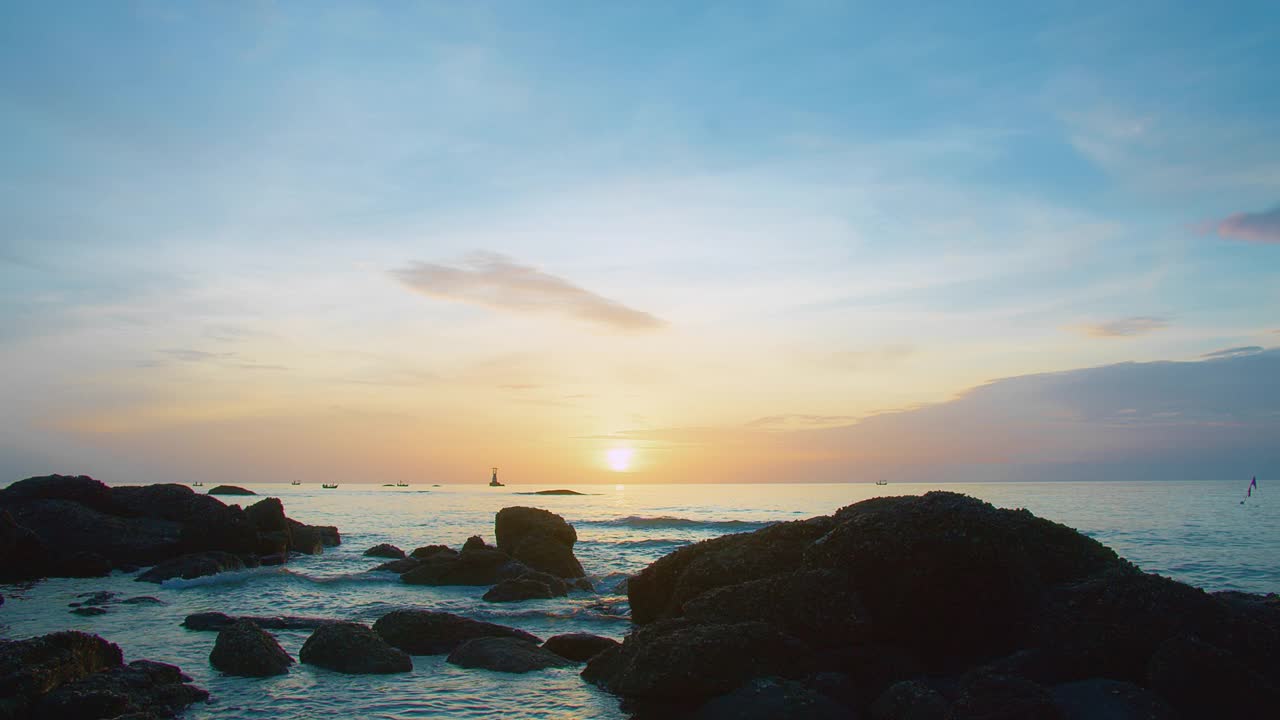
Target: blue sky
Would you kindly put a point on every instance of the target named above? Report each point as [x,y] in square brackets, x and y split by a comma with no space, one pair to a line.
[240,226]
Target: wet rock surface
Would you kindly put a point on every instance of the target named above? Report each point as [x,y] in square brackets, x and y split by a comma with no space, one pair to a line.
[504,654]
[385,550]
[579,647]
[428,632]
[538,538]
[245,649]
[354,649]
[76,675]
[940,606]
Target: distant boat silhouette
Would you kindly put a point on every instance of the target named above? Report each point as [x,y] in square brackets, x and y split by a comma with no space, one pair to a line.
[295,482]
[328,487]
[494,482]
[882,482]
[402,484]
[197,484]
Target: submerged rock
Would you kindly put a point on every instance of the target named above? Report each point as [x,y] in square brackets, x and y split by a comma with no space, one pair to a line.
[540,539]
[579,647]
[428,551]
[504,654]
[470,567]
[141,689]
[245,649]
[89,611]
[192,566]
[399,567]
[353,648]
[230,490]
[428,632]
[385,550]
[218,621]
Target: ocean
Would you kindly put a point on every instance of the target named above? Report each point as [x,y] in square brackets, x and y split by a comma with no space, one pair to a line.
[1197,532]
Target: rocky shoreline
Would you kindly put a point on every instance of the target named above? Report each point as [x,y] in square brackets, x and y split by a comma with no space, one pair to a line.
[936,607]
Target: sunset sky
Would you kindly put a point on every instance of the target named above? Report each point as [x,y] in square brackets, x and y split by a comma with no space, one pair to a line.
[802,241]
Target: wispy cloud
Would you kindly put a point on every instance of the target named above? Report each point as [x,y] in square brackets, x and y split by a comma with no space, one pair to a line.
[1124,327]
[188,355]
[495,281]
[1234,352]
[1260,227]
[800,422]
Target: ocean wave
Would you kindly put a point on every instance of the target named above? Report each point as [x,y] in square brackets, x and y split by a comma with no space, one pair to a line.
[667,521]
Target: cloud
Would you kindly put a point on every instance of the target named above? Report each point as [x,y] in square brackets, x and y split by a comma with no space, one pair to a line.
[1125,327]
[1233,352]
[1261,227]
[795,422]
[495,281]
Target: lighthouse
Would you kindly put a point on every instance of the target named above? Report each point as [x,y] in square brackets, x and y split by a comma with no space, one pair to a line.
[494,482]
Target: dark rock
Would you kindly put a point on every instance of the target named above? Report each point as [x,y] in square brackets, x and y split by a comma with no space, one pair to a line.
[529,585]
[79,489]
[141,688]
[1102,699]
[89,611]
[329,535]
[23,555]
[424,553]
[585,585]
[97,597]
[274,559]
[245,649]
[142,600]
[192,566]
[267,515]
[427,632]
[579,647]
[305,539]
[83,565]
[470,567]
[353,648]
[677,660]
[504,654]
[1000,697]
[1201,680]
[177,503]
[538,538]
[32,668]
[772,698]
[385,550]
[661,589]
[226,529]
[66,528]
[218,621]
[230,490]
[910,700]
[399,566]
[557,492]
[475,542]
[813,605]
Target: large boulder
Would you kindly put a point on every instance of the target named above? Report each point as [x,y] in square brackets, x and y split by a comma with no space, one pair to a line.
[67,528]
[267,515]
[773,699]
[76,675]
[354,649]
[385,550]
[504,654]
[682,661]
[168,501]
[192,566]
[661,589]
[529,585]
[428,551]
[1202,680]
[579,647]
[79,489]
[538,538]
[245,649]
[399,567]
[23,555]
[141,689]
[428,632]
[470,567]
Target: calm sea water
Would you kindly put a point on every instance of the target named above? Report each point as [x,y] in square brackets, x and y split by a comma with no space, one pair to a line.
[1195,532]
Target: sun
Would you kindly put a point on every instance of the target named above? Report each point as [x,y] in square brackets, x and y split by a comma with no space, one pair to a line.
[620,458]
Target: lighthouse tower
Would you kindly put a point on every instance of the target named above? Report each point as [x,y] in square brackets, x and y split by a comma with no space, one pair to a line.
[494,482]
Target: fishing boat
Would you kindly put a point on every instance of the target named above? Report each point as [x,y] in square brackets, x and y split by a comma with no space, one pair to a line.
[402,484]
[327,486]
[197,484]
[494,482]
[882,482]
[295,482]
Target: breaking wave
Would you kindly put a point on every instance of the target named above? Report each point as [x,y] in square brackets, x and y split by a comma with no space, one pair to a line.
[667,521]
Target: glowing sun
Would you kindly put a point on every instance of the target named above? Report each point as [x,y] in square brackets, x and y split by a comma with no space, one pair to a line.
[620,458]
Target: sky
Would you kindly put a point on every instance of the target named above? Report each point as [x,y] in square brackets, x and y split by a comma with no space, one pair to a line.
[639,242]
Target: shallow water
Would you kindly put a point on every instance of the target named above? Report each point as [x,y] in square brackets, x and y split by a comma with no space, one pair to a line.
[1195,532]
